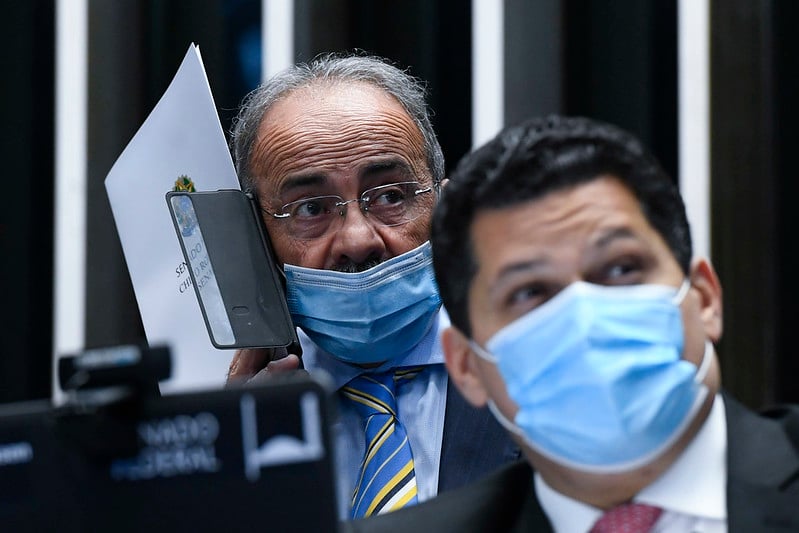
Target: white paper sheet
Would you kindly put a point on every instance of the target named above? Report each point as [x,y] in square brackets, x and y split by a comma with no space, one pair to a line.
[181,137]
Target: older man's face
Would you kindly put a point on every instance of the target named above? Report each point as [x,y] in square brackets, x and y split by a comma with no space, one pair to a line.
[339,139]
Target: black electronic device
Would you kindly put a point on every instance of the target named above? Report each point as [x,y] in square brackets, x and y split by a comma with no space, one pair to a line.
[236,278]
[239,459]
[131,366]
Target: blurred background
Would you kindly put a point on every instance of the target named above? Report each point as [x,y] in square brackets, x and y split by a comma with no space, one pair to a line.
[710,85]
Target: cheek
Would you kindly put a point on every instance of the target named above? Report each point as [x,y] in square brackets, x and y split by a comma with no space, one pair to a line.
[506,405]
[401,239]
[310,254]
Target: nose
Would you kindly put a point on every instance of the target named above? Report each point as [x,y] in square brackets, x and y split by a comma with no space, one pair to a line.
[356,241]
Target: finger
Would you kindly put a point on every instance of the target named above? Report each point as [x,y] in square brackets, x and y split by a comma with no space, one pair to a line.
[246,363]
[276,368]
[286,364]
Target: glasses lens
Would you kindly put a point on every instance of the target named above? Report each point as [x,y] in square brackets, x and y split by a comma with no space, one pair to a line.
[395,203]
[389,205]
[311,217]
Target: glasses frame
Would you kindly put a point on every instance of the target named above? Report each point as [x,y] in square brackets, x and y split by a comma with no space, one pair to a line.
[363,200]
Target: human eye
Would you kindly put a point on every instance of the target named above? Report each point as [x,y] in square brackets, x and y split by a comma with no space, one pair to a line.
[309,208]
[526,296]
[623,270]
[387,195]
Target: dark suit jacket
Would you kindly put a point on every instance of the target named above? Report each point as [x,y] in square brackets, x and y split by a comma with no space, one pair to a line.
[473,444]
[762,487]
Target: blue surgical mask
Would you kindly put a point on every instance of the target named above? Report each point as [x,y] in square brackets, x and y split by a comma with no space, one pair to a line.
[598,375]
[366,317]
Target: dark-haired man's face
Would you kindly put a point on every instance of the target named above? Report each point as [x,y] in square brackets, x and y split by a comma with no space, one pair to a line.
[339,139]
[594,232]
[527,253]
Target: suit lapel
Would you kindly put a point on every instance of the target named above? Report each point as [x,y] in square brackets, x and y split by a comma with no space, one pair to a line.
[762,473]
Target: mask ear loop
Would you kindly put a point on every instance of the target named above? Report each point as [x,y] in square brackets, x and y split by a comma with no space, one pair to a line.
[681,292]
[704,366]
[482,353]
[508,424]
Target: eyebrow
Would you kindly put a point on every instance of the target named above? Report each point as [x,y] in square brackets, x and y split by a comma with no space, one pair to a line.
[376,168]
[603,241]
[614,234]
[508,271]
[301,180]
[520,266]
[371,170]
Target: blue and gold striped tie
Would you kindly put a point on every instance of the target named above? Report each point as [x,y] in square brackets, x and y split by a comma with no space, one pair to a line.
[387,478]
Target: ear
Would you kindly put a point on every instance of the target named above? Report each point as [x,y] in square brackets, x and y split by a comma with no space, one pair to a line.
[462,366]
[706,282]
[441,185]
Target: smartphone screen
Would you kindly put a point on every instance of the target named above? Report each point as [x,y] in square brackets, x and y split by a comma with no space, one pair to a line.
[239,286]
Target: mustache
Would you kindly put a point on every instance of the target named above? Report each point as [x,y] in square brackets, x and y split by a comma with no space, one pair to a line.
[352,267]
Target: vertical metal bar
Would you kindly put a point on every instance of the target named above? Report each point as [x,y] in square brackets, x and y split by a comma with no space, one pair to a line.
[277,42]
[71,79]
[694,118]
[488,69]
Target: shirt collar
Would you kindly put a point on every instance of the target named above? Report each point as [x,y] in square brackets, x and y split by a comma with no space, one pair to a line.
[427,352]
[679,489]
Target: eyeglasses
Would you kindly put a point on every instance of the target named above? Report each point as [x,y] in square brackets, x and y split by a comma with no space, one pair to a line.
[387,205]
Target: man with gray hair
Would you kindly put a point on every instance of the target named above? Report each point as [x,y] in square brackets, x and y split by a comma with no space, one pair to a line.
[346,166]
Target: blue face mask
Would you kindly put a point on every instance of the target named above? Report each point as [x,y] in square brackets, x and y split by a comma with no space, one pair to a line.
[370,316]
[598,375]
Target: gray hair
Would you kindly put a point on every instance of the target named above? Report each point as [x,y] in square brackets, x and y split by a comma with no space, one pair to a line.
[409,91]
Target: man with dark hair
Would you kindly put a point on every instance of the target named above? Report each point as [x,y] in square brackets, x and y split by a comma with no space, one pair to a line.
[345,163]
[580,318]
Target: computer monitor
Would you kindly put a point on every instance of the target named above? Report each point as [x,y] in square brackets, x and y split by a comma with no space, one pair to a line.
[248,458]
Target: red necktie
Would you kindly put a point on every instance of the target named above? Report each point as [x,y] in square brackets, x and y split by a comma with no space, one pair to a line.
[628,518]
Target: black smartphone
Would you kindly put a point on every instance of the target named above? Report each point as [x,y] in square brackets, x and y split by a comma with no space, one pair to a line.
[238,283]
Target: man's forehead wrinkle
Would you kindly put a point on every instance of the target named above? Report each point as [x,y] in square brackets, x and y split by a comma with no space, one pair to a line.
[274,140]
[333,140]
[343,151]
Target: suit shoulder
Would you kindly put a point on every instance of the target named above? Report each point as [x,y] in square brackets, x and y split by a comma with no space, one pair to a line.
[787,415]
[763,448]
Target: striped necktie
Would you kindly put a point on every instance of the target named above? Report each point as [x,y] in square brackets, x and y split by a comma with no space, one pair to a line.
[387,478]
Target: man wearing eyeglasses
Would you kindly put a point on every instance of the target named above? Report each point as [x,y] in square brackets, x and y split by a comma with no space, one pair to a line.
[347,169]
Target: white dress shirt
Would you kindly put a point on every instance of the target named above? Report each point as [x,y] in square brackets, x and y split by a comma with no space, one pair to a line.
[421,404]
[692,492]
